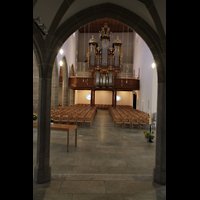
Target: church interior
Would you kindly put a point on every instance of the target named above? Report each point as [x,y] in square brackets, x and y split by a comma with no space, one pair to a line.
[104,77]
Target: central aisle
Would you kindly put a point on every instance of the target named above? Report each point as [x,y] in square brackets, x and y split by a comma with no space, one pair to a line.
[102,119]
[108,163]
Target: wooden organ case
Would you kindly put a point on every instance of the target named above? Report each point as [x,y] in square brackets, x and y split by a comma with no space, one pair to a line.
[104,62]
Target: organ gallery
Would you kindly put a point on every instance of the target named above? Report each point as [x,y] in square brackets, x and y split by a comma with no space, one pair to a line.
[103,61]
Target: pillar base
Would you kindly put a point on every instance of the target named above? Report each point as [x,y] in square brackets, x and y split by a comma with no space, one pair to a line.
[42,175]
[159,176]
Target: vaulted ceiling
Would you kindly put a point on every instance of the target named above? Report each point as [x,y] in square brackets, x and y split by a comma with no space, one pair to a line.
[63,17]
[54,13]
[95,26]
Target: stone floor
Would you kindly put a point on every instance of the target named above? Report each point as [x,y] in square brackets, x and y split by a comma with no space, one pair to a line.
[108,164]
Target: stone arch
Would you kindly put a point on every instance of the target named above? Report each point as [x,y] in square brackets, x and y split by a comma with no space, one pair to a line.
[108,10]
[37,47]
[71,73]
[153,41]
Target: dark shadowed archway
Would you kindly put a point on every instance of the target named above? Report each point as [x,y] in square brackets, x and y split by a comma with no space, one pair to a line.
[155,44]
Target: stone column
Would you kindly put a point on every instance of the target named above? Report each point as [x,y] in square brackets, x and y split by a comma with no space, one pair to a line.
[114,98]
[92,101]
[160,167]
[55,87]
[42,171]
[35,84]
[65,83]
[71,96]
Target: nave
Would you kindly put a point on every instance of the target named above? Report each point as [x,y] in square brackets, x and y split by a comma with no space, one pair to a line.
[108,163]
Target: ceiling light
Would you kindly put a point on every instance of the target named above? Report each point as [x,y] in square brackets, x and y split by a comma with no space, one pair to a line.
[61,63]
[61,51]
[153,65]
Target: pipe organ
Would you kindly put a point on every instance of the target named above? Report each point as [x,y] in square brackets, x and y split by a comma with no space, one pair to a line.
[104,61]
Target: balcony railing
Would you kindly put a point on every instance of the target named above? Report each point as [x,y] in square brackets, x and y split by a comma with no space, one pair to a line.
[126,71]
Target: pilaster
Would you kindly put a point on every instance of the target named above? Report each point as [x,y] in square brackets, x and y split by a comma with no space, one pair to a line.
[42,171]
[160,167]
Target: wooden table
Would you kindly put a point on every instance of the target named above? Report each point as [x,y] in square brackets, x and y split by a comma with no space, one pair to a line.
[63,127]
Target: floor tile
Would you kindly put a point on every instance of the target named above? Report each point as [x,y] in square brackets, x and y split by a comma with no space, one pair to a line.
[82,187]
[50,187]
[129,187]
[97,197]
[107,164]
[52,197]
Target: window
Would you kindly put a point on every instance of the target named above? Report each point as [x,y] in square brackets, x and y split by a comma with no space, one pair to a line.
[88,97]
[118,98]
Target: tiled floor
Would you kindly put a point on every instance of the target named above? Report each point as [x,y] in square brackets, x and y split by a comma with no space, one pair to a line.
[107,164]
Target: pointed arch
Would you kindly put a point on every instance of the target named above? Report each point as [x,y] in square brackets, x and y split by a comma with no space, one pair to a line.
[155,43]
[109,10]
[71,70]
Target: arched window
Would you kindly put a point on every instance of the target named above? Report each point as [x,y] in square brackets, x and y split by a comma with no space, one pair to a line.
[88,97]
[118,98]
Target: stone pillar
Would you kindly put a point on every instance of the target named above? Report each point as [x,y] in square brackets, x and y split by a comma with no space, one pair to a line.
[160,167]
[114,98]
[92,101]
[55,87]
[35,84]
[42,171]
[71,96]
[65,83]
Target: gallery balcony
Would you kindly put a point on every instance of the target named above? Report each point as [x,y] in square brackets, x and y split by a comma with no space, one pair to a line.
[123,84]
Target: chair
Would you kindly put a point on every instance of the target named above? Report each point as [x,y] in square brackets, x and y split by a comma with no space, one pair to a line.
[144,121]
[57,119]
[64,119]
[72,119]
[134,122]
[88,119]
[118,120]
[126,120]
[80,119]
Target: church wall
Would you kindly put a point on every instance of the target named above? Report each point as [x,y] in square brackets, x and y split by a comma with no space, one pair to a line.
[80,96]
[103,97]
[69,51]
[147,95]
[126,98]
